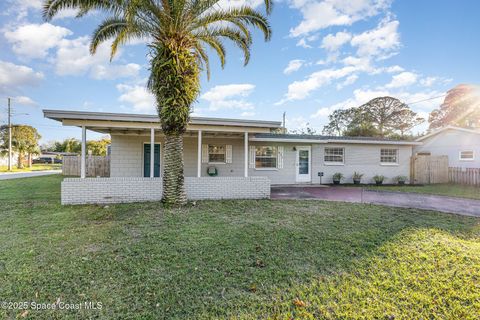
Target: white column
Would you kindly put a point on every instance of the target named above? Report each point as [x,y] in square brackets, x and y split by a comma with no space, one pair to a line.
[84,152]
[152,152]
[245,155]
[199,158]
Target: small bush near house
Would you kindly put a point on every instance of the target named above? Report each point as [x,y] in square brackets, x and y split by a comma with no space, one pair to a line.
[378,179]
[337,177]
[401,179]
[357,177]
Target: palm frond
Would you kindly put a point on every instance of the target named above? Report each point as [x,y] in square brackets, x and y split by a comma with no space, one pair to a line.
[108,29]
[238,16]
[203,58]
[216,45]
[52,7]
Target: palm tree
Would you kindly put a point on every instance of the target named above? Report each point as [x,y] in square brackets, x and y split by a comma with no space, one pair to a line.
[178,33]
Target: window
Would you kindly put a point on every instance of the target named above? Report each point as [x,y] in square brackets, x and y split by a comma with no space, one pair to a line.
[266,157]
[333,155]
[216,153]
[467,155]
[389,156]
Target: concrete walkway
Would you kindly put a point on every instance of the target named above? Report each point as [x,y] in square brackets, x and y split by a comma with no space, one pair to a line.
[461,206]
[29,174]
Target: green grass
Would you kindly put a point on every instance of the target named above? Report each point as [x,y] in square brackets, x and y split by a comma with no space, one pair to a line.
[235,259]
[35,167]
[452,190]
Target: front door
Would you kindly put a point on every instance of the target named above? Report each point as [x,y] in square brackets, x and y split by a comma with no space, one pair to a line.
[146,160]
[303,164]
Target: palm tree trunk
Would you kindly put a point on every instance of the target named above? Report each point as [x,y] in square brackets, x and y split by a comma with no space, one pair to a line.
[173,180]
[20,161]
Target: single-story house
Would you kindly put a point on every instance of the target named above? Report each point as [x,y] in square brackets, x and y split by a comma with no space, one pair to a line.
[461,145]
[223,158]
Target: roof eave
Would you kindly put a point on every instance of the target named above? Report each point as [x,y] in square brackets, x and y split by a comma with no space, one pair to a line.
[60,115]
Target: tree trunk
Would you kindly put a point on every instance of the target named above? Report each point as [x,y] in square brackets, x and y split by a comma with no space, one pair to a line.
[173,180]
[29,160]
[20,161]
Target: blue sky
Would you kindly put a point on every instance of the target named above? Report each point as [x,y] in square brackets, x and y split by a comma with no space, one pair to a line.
[323,55]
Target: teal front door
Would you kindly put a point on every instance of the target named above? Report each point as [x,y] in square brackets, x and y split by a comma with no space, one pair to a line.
[146,161]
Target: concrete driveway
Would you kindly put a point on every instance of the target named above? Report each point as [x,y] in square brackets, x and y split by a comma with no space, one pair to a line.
[16,175]
[461,206]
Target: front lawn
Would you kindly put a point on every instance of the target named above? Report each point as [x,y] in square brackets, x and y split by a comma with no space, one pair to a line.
[452,190]
[35,167]
[235,259]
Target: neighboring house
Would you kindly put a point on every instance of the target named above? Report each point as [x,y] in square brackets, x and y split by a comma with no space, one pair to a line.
[4,159]
[462,146]
[224,158]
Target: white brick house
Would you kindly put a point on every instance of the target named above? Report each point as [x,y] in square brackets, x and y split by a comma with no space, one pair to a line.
[224,158]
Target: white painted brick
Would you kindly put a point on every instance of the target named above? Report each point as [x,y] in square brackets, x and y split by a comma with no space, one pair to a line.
[136,189]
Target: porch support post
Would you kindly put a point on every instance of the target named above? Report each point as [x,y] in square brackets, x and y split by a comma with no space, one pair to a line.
[245,153]
[152,152]
[199,153]
[83,152]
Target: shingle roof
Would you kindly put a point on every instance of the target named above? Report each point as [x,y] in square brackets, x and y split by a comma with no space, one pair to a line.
[320,137]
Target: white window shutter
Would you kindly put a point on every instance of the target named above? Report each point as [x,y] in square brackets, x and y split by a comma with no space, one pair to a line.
[228,153]
[280,157]
[251,163]
[204,153]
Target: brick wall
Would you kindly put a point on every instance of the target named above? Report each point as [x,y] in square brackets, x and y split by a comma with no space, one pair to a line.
[133,189]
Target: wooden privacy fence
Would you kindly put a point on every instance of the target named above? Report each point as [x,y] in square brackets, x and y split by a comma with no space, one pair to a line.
[96,166]
[429,169]
[469,176]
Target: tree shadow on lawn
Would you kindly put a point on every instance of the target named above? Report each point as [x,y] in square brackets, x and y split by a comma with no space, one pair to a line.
[215,259]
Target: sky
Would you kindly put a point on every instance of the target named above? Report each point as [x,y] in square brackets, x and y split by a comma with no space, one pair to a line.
[323,55]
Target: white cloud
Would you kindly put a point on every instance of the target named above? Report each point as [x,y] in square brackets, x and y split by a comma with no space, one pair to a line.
[13,77]
[349,81]
[34,40]
[299,90]
[403,79]
[381,42]
[24,101]
[293,65]
[319,15]
[247,114]
[101,71]
[66,13]
[137,96]
[20,8]
[239,3]
[333,42]
[229,96]
[303,43]
[73,58]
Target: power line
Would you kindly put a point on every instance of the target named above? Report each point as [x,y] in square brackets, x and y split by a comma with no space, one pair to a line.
[432,98]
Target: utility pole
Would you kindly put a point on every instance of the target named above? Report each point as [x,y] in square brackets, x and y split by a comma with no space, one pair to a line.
[284,128]
[9,137]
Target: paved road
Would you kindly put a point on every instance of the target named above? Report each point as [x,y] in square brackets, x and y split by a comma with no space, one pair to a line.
[461,206]
[16,175]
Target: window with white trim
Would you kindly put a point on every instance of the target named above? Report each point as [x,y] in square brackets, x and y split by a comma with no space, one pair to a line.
[266,157]
[334,155]
[389,156]
[216,153]
[467,155]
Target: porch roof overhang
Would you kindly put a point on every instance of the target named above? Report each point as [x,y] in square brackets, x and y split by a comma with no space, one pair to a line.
[125,123]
